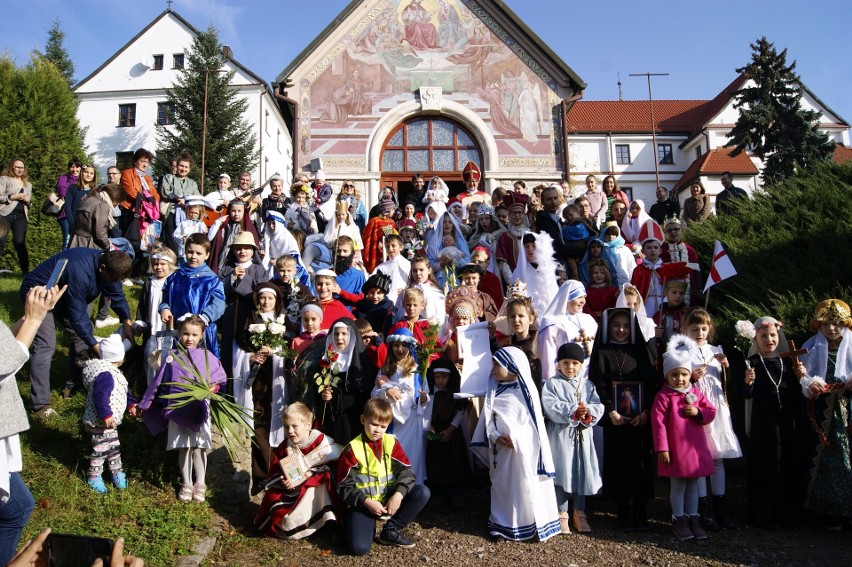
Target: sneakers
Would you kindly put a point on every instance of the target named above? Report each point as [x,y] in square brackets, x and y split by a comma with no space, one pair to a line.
[695,527]
[581,524]
[46,412]
[391,536]
[199,493]
[680,528]
[97,485]
[119,480]
[185,493]
[108,322]
[564,523]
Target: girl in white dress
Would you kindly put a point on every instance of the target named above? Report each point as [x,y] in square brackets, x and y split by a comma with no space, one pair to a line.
[404,389]
[711,366]
[564,322]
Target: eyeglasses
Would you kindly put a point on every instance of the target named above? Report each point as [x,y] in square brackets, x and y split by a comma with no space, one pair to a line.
[348,186]
[111,173]
[18,167]
[672,230]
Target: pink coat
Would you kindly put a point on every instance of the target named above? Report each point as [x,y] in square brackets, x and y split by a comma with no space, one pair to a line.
[683,437]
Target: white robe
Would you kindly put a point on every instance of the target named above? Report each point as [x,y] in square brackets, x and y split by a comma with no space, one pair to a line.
[720,432]
[398,269]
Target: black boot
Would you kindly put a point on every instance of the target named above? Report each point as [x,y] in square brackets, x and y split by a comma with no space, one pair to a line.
[625,518]
[720,513]
[707,521]
[640,516]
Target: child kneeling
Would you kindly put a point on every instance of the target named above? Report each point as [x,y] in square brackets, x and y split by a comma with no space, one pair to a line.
[294,509]
[375,480]
[107,396]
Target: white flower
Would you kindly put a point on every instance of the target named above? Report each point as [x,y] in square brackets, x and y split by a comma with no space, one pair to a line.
[282,319]
[277,328]
[257,328]
[745,329]
[690,398]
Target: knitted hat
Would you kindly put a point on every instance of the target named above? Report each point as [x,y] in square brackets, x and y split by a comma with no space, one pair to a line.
[571,351]
[679,354]
[112,348]
[387,205]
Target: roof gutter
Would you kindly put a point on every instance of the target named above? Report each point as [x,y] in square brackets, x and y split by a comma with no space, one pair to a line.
[294,131]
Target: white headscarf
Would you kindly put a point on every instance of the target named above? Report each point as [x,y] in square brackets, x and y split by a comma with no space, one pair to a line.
[816,361]
[437,191]
[436,240]
[782,338]
[627,226]
[646,325]
[333,231]
[541,282]
[345,356]
[570,290]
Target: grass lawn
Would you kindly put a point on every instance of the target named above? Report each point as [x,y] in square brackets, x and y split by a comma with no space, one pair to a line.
[155,525]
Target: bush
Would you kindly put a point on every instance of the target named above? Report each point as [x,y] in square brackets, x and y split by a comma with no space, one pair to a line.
[791,247]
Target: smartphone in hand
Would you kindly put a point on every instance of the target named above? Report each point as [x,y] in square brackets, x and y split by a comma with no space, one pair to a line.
[66,550]
[57,272]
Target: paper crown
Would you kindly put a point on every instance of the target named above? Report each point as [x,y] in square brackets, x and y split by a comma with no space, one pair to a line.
[672,220]
[680,353]
[517,290]
[650,231]
[341,207]
[471,171]
[514,200]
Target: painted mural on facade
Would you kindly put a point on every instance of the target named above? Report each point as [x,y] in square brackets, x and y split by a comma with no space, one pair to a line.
[402,45]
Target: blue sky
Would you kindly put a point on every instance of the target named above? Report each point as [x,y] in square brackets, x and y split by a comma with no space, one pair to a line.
[699,43]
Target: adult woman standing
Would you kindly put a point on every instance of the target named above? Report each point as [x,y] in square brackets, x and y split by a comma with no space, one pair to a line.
[63,182]
[86,182]
[15,195]
[94,218]
[140,200]
[613,193]
[696,208]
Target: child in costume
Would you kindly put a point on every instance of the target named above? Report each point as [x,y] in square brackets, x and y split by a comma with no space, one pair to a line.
[646,277]
[600,293]
[621,255]
[537,269]
[827,385]
[375,480]
[396,267]
[510,439]
[295,511]
[711,366]
[107,398]
[375,232]
[630,298]
[325,283]
[518,327]
[148,322]
[411,244]
[669,319]
[509,246]
[563,322]
[401,385]
[422,278]
[188,426]
[447,250]
[772,456]
[266,379]
[311,327]
[447,461]
[621,357]
[372,303]
[572,407]
[277,241]
[678,417]
[413,304]
[293,293]
[193,224]
[195,289]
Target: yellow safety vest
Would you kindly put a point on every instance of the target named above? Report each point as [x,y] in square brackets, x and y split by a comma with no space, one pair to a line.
[374,477]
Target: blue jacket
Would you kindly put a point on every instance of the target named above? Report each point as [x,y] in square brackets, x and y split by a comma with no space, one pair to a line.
[84,286]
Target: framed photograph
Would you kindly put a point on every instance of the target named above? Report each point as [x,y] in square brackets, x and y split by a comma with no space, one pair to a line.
[627,398]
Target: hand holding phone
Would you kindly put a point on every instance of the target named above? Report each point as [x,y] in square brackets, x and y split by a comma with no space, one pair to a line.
[57,272]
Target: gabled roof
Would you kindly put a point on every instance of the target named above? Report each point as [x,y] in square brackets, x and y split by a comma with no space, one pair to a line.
[842,154]
[634,116]
[497,6]
[182,20]
[717,162]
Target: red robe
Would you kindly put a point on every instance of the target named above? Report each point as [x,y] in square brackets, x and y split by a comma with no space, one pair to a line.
[599,299]
[278,501]
[642,277]
[670,254]
[333,310]
[508,248]
[374,241]
[491,285]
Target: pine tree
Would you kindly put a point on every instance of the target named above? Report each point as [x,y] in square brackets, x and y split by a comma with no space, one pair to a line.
[55,52]
[38,124]
[772,122]
[230,140]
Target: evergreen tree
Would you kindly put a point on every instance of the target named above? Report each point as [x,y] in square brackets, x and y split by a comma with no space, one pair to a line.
[230,140]
[772,122]
[38,124]
[55,52]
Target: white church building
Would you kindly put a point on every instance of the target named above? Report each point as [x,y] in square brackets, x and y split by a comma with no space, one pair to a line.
[124,99]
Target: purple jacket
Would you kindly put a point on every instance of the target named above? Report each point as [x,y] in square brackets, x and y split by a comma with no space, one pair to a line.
[192,416]
[63,182]
[682,436]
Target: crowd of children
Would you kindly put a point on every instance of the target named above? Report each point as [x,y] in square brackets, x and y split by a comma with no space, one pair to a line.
[597,385]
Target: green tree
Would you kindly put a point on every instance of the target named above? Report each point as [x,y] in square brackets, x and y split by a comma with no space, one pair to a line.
[55,52]
[230,140]
[772,122]
[38,124]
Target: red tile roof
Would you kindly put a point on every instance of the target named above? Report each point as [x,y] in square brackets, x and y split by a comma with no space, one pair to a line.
[717,162]
[842,154]
[629,116]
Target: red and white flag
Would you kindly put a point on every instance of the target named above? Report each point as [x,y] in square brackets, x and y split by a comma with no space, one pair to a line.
[721,268]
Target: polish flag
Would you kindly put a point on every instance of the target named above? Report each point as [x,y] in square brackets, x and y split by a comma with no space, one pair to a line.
[721,268]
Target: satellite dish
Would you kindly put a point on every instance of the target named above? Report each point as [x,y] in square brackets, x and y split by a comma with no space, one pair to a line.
[148,61]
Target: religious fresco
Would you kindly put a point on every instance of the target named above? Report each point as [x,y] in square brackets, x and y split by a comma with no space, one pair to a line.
[402,45]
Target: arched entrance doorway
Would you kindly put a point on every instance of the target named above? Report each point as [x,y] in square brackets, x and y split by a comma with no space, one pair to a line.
[431,146]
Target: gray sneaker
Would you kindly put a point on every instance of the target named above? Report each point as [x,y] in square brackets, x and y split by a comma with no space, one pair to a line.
[390,536]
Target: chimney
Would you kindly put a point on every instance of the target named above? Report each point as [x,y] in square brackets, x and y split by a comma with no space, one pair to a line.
[227,51]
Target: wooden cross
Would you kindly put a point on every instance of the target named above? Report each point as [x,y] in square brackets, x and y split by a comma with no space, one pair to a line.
[584,339]
[793,354]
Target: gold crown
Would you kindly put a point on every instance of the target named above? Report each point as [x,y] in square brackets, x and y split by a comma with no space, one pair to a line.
[832,310]
[672,220]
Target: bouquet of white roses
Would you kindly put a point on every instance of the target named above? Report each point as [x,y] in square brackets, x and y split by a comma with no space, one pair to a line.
[270,333]
[742,340]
